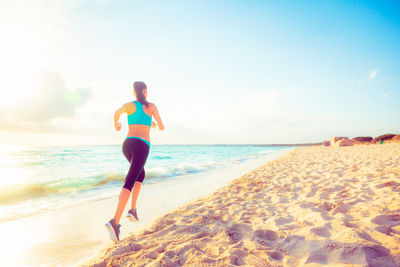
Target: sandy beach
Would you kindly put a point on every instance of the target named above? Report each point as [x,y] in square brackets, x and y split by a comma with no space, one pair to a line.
[315,206]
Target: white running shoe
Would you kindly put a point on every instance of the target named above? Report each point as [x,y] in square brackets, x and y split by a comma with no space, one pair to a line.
[113,230]
[132,215]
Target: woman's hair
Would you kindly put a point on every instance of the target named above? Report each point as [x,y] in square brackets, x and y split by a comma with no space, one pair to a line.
[139,86]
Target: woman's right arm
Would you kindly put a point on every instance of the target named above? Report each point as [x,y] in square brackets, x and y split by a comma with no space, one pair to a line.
[117,114]
[158,118]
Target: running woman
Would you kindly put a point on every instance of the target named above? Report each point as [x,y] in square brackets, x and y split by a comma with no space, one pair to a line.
[136,148]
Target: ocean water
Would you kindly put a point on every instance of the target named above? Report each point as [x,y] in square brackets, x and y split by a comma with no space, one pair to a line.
[39,179]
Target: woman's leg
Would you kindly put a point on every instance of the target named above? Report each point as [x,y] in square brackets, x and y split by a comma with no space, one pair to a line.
[135,193]
[136,188]
[123,199]
[136,152]
[125,193]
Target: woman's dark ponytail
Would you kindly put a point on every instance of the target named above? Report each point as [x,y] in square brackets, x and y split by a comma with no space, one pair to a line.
[139,86]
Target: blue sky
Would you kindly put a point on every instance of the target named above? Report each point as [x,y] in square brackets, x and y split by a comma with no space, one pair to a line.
[220,72]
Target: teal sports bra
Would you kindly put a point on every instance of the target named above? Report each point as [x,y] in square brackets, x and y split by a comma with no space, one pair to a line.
[139,116]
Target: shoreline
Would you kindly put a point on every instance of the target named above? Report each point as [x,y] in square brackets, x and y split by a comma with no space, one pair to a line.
[315,205]
[71,236]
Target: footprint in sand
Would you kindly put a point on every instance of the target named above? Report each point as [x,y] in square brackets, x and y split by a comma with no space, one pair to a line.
[276,255]
[341,208]
[237,231]
[170,254]
[307,205]
[121,250]
[265,235]
[338,207]
[151,255]
[388,184]
[165,261]
[377,256]
[349,224]
[390,220]
[284,220]
[364,235]
[236,256]
[317,258]
[311,193]
[322,231]
[387,230]
[327,206]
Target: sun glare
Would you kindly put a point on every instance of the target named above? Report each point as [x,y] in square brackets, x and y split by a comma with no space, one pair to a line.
[20,60]
[24,29]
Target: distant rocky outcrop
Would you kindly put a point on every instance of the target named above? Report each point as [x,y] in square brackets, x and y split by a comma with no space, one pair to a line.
[394,139]
[384,137]
[343,142]
[336,139]
[362,139]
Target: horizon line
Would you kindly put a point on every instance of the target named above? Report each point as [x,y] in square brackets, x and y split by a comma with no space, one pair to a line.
[220,144]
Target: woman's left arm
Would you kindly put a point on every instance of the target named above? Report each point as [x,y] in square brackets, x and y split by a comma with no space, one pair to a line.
[158,118]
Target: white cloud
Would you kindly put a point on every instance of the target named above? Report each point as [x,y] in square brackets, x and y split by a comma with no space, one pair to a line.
[385,95]
[50,100]
[372,74]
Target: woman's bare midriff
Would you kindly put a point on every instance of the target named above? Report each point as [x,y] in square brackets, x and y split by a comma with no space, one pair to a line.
[142,131]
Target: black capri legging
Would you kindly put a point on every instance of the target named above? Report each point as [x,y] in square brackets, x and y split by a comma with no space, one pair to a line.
[136,152]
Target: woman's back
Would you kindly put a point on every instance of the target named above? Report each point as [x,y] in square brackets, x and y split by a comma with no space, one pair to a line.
[143,117]
[139,119]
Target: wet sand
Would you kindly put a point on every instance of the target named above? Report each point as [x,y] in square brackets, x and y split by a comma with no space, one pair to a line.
[315,206]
